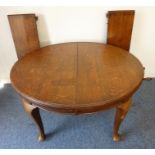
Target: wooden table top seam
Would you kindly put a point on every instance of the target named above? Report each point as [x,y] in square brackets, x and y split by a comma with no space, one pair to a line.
[72,76]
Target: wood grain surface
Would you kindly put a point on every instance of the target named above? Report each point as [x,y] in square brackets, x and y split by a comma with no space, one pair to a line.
[77,77]
[24,33]
[120,24]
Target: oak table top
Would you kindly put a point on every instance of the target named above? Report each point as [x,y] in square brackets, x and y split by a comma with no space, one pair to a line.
[77,77]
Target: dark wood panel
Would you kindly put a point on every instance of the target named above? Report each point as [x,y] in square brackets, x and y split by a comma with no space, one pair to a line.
[24,33]
[120,24]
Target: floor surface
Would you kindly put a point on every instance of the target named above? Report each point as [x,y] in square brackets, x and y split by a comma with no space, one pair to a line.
[84,131]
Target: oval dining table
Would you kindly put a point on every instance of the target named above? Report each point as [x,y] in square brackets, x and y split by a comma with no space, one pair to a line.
[77,78]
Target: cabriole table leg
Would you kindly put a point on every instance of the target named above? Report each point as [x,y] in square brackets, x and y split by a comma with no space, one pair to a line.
[35,115]
[121,112]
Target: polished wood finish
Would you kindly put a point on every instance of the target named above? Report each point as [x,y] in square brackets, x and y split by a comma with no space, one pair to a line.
[33,112]
[24,33]
[120,24]
[121,111]
[77,78]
